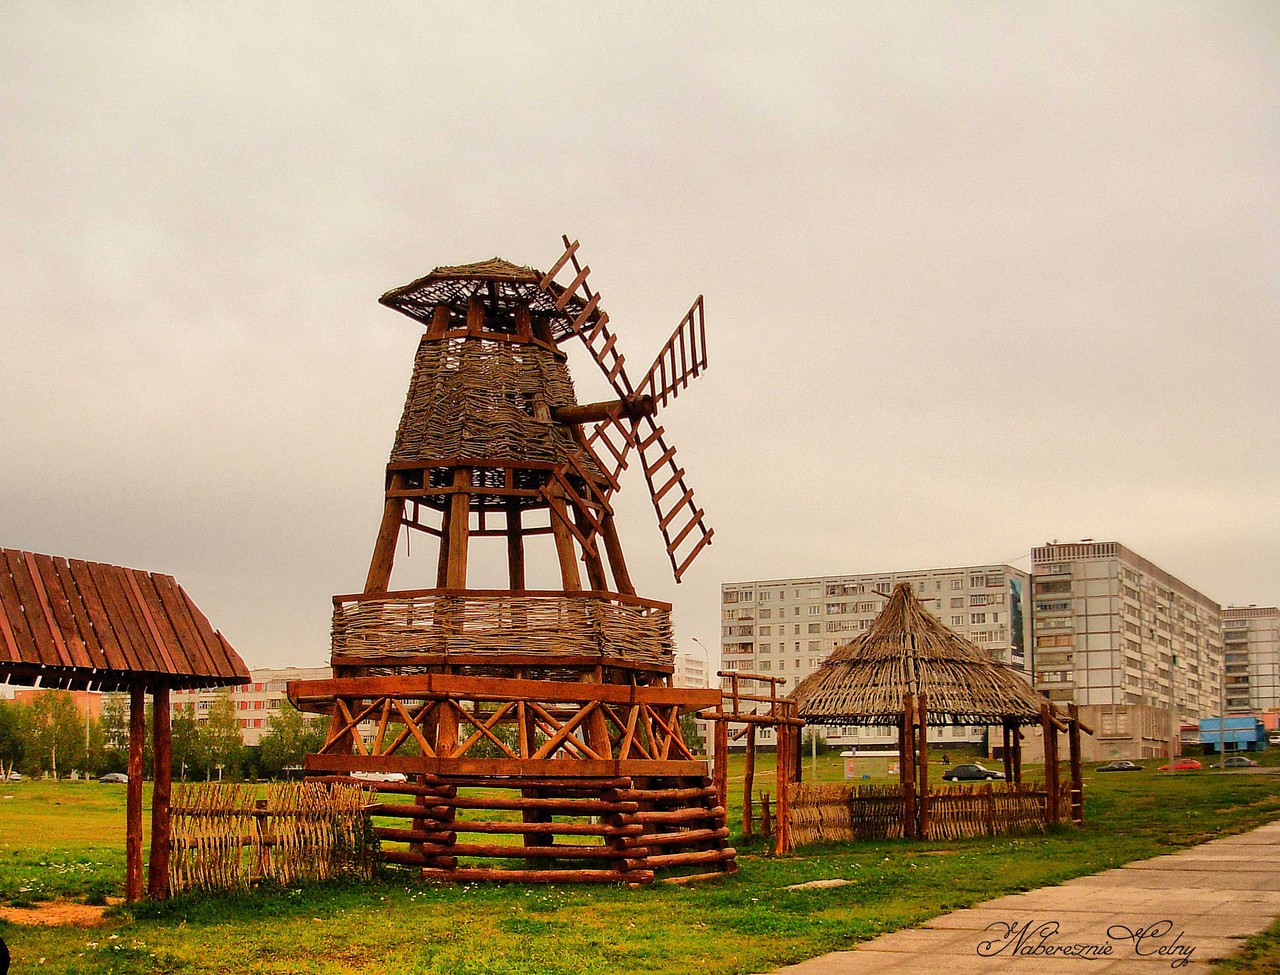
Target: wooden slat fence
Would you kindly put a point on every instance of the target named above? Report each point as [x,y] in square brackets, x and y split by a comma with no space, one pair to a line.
[835,812]
[225,838]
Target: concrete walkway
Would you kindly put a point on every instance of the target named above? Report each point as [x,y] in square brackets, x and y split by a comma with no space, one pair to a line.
[1171,913]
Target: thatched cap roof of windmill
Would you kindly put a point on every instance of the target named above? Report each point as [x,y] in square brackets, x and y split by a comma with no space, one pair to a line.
[908,650]
[499,283]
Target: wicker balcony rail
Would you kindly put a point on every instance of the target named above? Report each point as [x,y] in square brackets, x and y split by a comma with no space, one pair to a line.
[497,622]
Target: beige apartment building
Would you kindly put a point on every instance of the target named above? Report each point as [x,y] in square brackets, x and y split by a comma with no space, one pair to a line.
[1116,632]
[1251,640]
[787,627]
[255,702]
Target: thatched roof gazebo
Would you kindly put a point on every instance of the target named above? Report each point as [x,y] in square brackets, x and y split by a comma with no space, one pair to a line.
[910,671]
[907,650]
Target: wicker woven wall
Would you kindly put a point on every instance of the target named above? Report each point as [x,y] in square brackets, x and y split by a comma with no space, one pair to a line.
[474,397]
[564,625]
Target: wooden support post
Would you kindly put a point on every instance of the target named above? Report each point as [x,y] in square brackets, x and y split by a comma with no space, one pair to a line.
[384,549]
[1050,764]
[1077,770]
[613,549]
[922,706]
[722,762]
[515,545]
[906,765]
[133,797]
[748,782]
[459,528]
[161,791]
[475,314]
[796,767]
[1017,753]
[782,829]
[1007,750]
[595,566]
[565,554]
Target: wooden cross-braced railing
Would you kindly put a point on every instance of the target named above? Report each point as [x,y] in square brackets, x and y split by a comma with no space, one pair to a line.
[384,725]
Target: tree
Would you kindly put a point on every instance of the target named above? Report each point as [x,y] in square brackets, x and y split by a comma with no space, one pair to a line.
[690,733]
[12,737]
[223,739]
[190,752]
[290,736]
[115,734]
[56,739]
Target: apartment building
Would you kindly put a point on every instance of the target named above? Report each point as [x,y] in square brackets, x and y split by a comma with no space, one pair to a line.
[690,671]
[787,627]
[1115,631]
[255,702]
[1251,642]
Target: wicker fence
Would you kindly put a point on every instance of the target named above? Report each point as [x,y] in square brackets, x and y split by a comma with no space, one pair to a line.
[823,813]
[225,838]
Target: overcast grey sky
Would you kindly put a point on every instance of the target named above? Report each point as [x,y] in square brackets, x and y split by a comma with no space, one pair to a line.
[977,276]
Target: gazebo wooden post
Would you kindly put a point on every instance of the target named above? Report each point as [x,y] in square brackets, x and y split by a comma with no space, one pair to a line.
[1007,750]
[1016,734]
[161,791]
[782,825]
[796,767]
[748,782]
[922,704]
[906,767]
[721,772]
[1077,771]
[1050,764]
[133,797]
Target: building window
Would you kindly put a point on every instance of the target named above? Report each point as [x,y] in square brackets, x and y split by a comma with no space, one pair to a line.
[975,618]
[957,621]
[957,583]
[815,627]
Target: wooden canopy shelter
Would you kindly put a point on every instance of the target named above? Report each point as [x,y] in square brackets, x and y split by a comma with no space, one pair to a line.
[77,625]
[911,671]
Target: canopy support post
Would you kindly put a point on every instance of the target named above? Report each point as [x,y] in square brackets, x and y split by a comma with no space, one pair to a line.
[133,796]
[161,791]
[922,704]
[1051,784]
[1007,750]
[1077,772]
[906,767]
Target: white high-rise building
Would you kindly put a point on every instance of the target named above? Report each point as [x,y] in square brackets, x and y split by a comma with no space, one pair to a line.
[1113,629]
[787,627]
[1251,638]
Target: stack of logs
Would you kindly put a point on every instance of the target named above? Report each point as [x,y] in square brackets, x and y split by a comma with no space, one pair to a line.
[561,830]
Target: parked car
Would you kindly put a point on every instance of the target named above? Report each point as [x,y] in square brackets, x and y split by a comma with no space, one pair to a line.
[971,772]
[1182,765]
[15,776]
[114,777]
[1239,761]
[1120,766]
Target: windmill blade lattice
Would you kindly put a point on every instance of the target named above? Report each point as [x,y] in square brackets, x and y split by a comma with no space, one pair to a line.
[682,358]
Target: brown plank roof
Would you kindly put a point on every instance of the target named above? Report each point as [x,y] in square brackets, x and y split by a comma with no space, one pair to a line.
[74,624]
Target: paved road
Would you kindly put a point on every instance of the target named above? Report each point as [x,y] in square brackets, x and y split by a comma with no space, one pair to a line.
[1171,913]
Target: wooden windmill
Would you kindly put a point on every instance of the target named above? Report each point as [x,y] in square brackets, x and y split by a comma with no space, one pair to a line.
[561,697]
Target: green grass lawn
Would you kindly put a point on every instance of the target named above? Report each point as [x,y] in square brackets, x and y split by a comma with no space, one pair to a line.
[66,840]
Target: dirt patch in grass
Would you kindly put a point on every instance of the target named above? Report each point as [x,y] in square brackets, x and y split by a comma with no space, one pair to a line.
[56,914]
